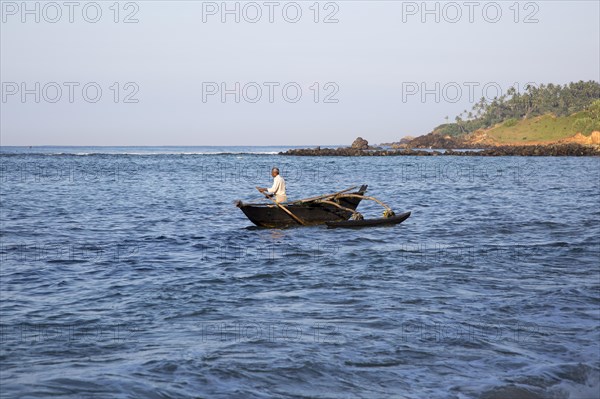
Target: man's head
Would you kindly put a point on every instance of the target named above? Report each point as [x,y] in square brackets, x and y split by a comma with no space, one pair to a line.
[274,172]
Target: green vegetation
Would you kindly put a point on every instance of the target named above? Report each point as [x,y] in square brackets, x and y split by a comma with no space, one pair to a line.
[548,109]
[589,120]
[548,128]
[545,128]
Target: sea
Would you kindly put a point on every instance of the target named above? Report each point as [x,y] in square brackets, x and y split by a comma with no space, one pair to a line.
[128,272]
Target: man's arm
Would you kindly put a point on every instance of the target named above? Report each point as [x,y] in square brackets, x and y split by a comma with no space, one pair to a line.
[275,186]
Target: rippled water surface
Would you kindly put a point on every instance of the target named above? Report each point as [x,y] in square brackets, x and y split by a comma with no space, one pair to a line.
[130,274]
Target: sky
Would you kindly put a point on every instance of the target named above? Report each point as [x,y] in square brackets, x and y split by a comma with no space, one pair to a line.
[152,73]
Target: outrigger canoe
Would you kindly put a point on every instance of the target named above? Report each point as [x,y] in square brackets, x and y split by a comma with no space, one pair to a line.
[335,210]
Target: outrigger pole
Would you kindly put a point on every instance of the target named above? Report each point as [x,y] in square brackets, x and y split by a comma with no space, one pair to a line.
[388,213]
[311,199]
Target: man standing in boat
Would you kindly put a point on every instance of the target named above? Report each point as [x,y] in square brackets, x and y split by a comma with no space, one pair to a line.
[278,188]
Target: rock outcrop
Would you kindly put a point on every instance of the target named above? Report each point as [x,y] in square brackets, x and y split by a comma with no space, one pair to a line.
[571,149]
[360,144]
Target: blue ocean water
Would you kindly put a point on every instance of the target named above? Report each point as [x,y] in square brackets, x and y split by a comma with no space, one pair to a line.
[127,272]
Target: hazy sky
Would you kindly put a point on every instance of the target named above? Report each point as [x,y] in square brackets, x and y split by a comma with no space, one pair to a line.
[376,69]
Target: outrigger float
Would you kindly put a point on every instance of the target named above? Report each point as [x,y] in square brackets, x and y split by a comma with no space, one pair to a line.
[334,210]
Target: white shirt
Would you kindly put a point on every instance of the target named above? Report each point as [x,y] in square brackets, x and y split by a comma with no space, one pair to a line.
[278,186]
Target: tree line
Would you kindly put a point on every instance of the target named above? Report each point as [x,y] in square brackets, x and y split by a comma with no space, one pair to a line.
[560,100]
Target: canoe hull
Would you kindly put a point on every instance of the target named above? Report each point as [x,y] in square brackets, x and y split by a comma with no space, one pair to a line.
[313,213]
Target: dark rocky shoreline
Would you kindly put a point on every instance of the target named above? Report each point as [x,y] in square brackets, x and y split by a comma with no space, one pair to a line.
[552,150]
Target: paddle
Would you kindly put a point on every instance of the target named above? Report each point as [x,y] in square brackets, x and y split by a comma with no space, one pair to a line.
[296,218]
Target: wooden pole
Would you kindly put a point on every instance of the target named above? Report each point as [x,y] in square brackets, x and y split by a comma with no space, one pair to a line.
[324,196]
[338,205]
[368,198]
